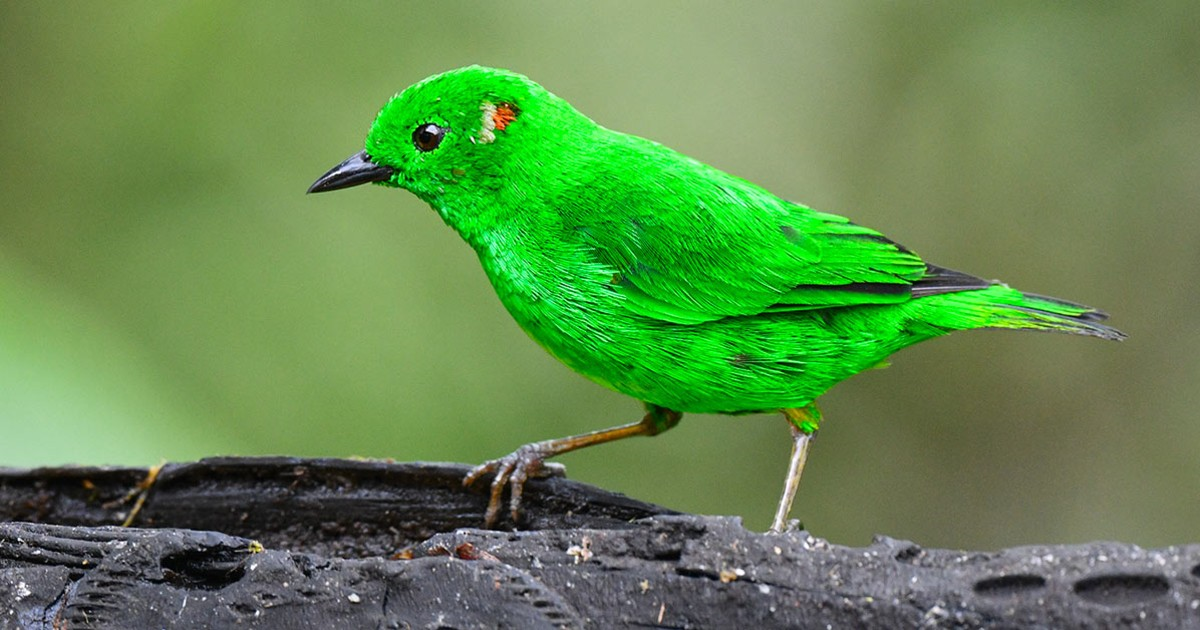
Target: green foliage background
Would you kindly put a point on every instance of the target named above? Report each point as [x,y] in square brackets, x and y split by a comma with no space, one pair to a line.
[168,291]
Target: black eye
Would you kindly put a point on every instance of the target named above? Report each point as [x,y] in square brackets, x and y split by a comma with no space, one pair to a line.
[427,137]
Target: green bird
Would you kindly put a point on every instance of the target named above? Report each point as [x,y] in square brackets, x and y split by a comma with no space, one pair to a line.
[659,276]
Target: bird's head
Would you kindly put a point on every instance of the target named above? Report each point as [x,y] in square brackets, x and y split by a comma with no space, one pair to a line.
[454,136]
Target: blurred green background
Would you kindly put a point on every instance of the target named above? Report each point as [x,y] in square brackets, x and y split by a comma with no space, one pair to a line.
[168,291]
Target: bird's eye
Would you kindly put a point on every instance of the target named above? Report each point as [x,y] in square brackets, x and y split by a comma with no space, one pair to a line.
[428,136]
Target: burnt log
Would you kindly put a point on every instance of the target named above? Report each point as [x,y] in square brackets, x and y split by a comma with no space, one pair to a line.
[285,543]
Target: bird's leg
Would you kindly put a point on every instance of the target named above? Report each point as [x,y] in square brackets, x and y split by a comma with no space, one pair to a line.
[804,422]
[528,461]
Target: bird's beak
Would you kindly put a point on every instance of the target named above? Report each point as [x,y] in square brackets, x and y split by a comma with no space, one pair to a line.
[357,169]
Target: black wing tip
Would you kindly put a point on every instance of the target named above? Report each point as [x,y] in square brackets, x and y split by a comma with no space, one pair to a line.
[941,280]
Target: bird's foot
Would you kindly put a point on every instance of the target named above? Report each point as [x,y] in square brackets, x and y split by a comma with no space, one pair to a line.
[513,470]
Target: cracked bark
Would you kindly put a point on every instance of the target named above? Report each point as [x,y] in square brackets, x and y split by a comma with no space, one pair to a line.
[373,544]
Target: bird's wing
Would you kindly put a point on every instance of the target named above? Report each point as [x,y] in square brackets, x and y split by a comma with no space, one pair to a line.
[689,249]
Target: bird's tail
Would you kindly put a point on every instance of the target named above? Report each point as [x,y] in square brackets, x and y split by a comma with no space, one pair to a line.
[1000,306]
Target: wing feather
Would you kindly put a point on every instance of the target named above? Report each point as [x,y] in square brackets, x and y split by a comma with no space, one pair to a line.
[692,244]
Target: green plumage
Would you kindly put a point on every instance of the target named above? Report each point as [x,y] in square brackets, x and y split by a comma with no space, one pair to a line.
[657,275]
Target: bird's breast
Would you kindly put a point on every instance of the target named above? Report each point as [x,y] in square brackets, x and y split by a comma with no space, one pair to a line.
[562,299]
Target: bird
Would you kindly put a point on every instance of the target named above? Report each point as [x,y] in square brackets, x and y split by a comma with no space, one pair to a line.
[659,276]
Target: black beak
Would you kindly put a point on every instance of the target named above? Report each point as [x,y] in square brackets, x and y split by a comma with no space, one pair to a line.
[357,169]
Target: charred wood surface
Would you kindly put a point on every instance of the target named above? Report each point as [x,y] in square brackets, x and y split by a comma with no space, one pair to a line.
[285,543]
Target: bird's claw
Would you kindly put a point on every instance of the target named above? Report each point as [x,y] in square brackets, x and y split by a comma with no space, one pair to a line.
[513,470]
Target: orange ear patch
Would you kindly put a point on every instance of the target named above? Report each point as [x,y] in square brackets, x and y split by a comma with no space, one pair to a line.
[495,118]
[504,114]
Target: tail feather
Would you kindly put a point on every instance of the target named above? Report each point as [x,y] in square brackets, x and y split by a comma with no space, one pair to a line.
[962,306]
[1046,313]
[1084,312]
